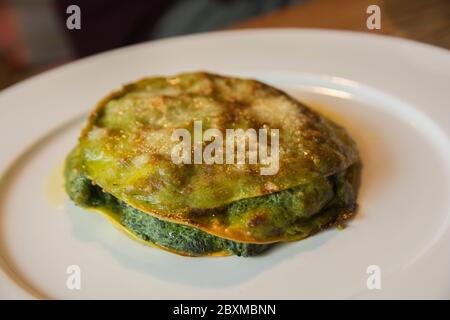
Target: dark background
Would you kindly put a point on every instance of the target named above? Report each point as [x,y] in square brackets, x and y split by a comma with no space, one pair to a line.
[34,36]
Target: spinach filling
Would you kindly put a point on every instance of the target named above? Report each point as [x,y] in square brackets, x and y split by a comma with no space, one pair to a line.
[174,236]
[192,241]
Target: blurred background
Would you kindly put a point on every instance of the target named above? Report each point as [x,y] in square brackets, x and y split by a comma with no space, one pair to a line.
[34,36]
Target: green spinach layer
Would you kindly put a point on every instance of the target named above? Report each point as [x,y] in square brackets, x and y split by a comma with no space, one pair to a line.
[174,236]
[192,241]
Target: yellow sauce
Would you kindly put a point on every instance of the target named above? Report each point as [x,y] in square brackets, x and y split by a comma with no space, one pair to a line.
[54,187]
[324,111]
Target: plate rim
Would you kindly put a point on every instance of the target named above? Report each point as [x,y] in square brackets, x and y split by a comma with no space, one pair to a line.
[45,76]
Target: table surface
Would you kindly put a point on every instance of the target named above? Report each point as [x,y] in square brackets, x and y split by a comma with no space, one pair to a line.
[422,20]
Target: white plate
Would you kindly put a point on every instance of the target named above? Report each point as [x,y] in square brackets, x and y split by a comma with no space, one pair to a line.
[392,95]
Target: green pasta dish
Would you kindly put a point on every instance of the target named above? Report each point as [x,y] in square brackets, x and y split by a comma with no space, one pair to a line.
[124,165]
